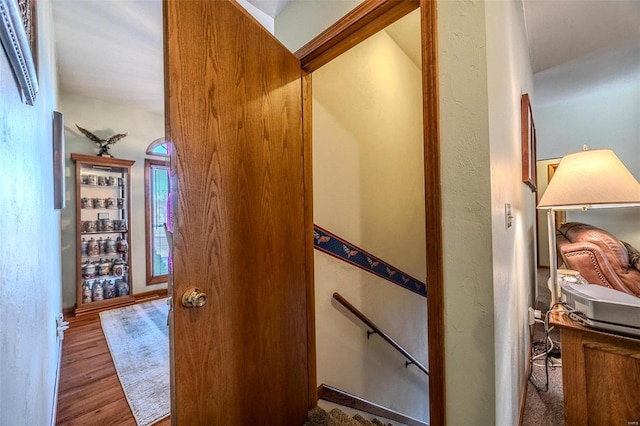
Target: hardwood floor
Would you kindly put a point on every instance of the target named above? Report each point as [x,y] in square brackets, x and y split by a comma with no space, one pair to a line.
[90,392]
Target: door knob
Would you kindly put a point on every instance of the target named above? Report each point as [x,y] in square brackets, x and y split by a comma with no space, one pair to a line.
[193,298]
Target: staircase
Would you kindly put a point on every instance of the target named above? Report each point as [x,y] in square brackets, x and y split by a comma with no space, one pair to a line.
[337,417]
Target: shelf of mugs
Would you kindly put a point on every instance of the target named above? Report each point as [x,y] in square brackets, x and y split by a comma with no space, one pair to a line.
[103,247]
[101,226]
[111,203]
[105,268]
[92,181]
[102,208]
[103,250]
[104,232]
[103,288]
[86,185]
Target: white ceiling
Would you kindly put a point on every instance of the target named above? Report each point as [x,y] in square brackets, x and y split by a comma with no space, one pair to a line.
[112,49]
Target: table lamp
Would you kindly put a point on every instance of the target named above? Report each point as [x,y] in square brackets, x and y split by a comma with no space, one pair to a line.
[588,179]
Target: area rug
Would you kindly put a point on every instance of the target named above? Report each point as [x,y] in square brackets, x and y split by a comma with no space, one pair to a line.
[138,338]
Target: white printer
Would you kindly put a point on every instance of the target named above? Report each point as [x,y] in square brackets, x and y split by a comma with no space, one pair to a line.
[603,307]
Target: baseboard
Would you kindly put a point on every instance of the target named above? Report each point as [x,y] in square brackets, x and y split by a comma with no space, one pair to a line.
[56,386]
[523,392]
[150,295]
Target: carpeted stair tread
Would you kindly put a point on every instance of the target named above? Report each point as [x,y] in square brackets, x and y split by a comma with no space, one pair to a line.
[319,417]
[336,417]
[362,420]
[343,418]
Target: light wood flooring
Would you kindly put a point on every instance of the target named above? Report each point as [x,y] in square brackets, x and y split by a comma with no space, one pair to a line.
[90,392]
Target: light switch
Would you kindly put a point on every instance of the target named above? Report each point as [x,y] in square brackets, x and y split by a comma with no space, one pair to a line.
[508,217]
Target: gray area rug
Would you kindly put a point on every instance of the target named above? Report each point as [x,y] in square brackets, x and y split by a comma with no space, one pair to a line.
[138,338]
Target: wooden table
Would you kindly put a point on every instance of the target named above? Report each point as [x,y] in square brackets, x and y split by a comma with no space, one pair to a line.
[600,375]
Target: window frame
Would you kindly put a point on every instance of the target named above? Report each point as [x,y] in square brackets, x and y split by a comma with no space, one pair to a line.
[149,165]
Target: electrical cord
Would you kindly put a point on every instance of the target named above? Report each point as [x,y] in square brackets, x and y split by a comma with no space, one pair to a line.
[548,346]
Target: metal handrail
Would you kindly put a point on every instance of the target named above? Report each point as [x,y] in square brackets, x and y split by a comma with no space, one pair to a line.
[376,330]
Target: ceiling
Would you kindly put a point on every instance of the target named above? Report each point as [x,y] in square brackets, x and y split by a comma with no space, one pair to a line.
[112,50]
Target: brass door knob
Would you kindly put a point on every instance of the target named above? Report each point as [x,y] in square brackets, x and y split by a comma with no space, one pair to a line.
[194,298]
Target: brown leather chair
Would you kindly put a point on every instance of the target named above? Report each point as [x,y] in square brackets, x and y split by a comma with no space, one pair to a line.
[598,256]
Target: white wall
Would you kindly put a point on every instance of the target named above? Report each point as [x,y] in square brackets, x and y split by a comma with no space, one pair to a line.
[265,20]
[30,289]
[489,269]
[467,214]
[301,21]
[604,117]
[106,119]
[369,189]
[514,250]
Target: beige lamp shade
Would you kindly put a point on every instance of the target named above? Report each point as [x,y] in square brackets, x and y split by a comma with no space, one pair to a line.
[591,179]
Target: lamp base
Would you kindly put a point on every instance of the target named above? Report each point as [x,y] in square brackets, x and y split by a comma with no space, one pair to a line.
[565,276]
[554,290]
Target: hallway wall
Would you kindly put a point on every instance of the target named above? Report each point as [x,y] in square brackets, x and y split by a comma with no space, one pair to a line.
[484,69]
[106,119]
[30,281]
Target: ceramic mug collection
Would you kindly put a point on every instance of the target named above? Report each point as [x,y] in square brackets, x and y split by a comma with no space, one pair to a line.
[101,246]
[97,180]
[102,203]
[104,267]
[96,290]
[104,225]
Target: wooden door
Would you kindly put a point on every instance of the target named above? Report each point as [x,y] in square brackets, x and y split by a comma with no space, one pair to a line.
[234,116]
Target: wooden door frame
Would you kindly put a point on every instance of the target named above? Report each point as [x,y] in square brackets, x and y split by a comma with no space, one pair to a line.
[365,20]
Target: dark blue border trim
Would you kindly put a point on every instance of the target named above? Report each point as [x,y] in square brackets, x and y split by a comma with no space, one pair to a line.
[335,246]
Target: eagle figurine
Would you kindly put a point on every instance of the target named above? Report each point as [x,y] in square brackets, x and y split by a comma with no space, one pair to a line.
[102,143]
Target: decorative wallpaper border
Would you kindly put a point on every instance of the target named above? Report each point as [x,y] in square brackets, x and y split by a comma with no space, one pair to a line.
[335,246]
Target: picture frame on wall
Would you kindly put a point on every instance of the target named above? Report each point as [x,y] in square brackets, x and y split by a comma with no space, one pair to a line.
[58,161]
[18,37]
[528,143]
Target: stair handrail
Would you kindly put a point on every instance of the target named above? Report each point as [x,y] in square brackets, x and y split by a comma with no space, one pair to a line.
[376,330]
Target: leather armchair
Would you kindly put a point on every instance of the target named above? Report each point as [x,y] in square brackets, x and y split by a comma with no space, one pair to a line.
[598,256]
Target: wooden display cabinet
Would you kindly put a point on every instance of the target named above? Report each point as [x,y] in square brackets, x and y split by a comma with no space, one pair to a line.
[103,238]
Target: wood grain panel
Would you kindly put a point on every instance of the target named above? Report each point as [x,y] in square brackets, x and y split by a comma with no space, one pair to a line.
[433,213]
[307,128]
[622,374]
[573,381]
[235,121]
[600,376]
[363,21]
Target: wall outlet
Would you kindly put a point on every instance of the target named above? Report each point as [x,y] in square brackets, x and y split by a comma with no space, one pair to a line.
[61,326]
[532,318]
[534,314]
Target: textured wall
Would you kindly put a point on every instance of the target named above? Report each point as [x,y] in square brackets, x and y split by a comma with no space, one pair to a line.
[30,290]
[348,202]
[514,268]
[369,189]
[301,21]
[106,119]
[467,209]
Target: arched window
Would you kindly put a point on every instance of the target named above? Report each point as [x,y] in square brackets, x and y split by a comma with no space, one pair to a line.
[156,186]
[159,147]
